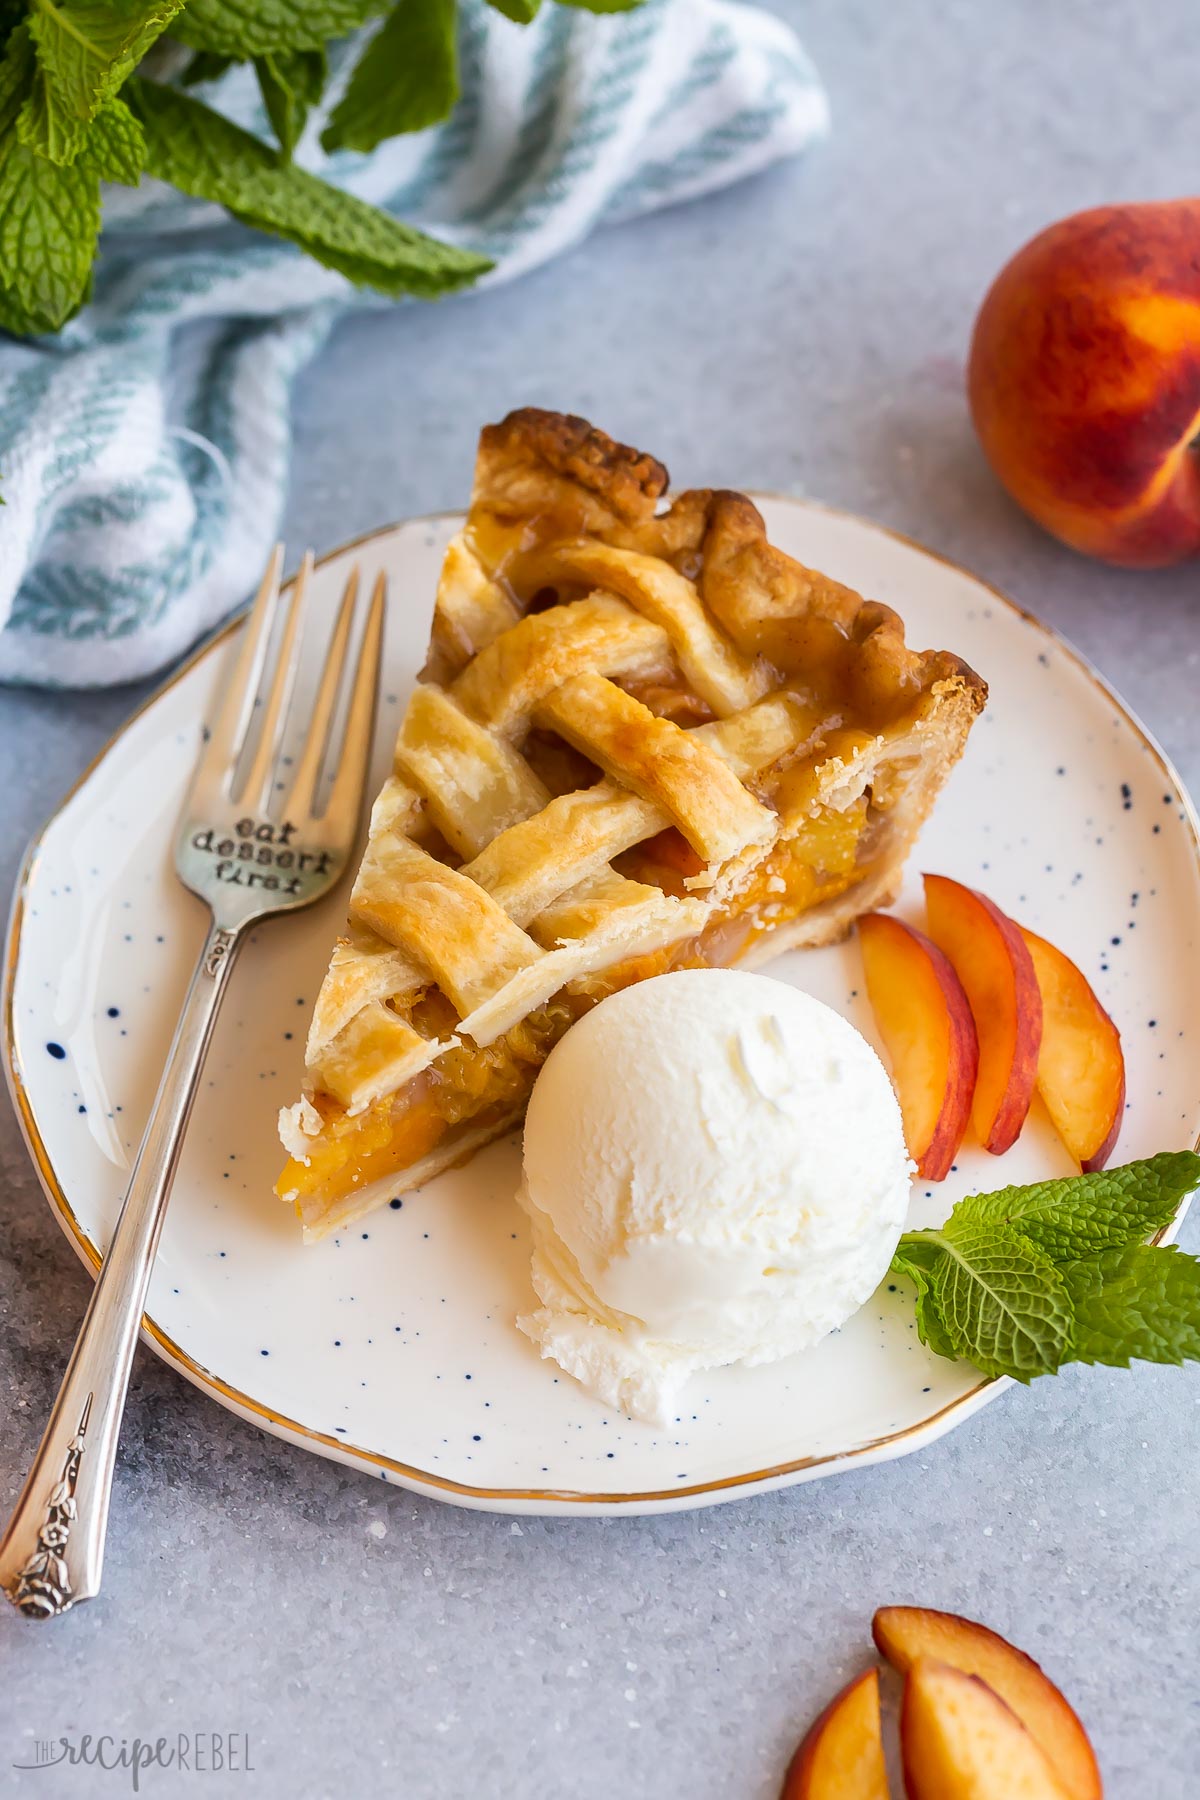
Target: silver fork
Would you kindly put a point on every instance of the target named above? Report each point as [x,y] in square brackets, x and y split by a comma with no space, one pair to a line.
[248,849]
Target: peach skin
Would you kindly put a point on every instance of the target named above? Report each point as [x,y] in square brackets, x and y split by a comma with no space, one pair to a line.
[841,1758]
[929,1034]
[992,962]
[1081,1066]
[904,1633]
[1084,381]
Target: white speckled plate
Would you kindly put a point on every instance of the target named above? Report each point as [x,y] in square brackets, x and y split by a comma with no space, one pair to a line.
[393,1347]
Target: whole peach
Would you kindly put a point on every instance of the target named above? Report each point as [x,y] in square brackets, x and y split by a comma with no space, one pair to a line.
[1084,381]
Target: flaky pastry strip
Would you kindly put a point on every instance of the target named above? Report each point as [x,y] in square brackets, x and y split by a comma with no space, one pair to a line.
[599,923]
[474,782]
[711,665]
[663,763]
[507,681]
[468,944]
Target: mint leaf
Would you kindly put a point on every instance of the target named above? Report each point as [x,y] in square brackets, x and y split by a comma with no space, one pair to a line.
[914,1258]
[16,318]
[204,154]
[49,221]
[1001,1302]
[521,11]
[241,29]
[112,145]
[918,1270]
[1080,1214]
[115,146]
[86,48]
[1137,1301]
[1027,1278]
[45,126]
[405,79]
[290,81]
[994,1297]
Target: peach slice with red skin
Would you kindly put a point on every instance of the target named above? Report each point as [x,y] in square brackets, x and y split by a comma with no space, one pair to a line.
[1081,1067]
[925,1021]
[841,1758]
[907,1635]
[993,963]
[959,1741]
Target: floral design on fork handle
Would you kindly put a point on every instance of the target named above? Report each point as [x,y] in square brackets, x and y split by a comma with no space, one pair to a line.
[43,1584]
[220,946]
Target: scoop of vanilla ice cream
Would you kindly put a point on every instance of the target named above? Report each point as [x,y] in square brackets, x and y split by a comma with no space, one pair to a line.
[715,1172]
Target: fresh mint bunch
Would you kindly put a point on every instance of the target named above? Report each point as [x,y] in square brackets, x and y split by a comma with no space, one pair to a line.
[78,106]
[1021,1281]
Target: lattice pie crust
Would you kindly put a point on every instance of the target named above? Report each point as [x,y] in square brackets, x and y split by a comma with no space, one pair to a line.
[644,739]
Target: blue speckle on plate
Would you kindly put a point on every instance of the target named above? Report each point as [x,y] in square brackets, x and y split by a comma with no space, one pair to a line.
[57,1052]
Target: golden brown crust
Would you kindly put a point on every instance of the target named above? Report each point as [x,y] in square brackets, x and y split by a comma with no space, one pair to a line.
[800,620]
[535,460]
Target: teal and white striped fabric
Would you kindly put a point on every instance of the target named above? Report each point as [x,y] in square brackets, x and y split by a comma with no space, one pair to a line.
[144,451]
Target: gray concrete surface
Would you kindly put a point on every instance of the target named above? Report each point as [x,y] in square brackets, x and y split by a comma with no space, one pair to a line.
[806,331]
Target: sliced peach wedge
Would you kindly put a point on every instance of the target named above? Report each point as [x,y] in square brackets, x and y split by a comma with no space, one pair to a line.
[842,1756]
[906,1635]
[959,1741]
[1081,1066]
[925,1022]
[995,967]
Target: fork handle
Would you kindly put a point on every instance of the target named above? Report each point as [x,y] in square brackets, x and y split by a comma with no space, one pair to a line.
[52,1552]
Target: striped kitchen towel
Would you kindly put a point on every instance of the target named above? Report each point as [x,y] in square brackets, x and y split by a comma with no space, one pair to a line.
[144,450]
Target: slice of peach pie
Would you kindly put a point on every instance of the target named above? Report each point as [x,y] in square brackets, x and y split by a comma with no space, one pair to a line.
[644,740]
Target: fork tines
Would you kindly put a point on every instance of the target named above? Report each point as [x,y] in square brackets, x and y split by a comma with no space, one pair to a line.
[259,790]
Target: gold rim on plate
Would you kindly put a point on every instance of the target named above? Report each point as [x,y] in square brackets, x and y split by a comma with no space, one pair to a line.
[423,1479]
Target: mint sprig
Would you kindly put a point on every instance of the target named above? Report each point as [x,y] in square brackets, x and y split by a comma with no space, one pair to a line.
[1026,1279]
[78,106]
[200,151]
